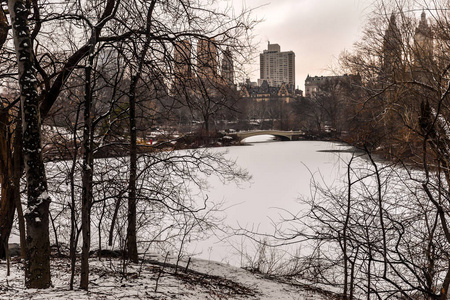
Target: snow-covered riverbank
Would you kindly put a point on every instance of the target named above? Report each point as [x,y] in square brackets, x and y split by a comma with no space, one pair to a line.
[155,279]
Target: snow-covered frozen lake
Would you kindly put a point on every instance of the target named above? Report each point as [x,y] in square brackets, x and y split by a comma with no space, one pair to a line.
[281,174]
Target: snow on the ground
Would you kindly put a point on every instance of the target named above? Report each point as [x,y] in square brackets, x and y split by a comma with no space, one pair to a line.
[109,280]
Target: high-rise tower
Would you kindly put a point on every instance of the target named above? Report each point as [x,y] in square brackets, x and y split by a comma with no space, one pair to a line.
[391,64]
[228,67]
[423,43]
[182,60]
[207,59]
[277,67]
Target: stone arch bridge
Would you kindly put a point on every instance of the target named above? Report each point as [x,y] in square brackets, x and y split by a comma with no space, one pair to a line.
[282,135]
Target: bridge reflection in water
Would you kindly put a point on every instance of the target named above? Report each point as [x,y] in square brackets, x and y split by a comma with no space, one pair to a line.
[282,135]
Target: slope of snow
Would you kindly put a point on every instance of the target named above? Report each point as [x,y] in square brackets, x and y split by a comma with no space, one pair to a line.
[109,279]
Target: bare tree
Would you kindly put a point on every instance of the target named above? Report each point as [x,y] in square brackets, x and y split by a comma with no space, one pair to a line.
[394,235]
[37,270]
[143,40]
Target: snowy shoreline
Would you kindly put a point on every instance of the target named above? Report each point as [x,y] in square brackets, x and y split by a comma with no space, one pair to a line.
[202,280]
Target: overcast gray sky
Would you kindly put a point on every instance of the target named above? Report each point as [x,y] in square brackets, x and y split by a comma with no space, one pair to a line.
[316,30]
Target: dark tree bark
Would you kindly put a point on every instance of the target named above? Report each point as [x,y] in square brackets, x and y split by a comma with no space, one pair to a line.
[37,266]
[131,229]
[88,143]
[87,172]
[3,27]
[74,231]
[7,207]
[11,169]
[17,174]
[345,232]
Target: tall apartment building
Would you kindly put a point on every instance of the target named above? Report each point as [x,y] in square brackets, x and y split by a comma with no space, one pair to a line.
[182,60]
[207,59]
[277,67]
[228,67]
[206,68]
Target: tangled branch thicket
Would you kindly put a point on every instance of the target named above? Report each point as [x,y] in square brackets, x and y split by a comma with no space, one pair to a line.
[101,79]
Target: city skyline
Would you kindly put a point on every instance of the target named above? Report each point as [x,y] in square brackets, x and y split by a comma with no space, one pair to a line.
[317,31]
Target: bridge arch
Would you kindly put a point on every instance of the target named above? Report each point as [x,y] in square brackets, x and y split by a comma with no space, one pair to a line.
[283,135]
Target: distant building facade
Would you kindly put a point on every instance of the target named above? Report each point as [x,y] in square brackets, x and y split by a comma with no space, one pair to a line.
[391,58]
[423,57]
[207,59]
[423,40]
[393,66]
[193,69]
[276,67]
[284,93]
[182,60]
[228,67]
[315,84]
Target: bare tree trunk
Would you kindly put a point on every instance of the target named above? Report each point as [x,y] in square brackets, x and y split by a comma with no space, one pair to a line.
[10,171]
[87,172]
[345,229]
[352,276]
[74,232]
[73,226]
[3,27]
[17,174]
[380,212]
[369,265]
[37,270]
[131,229]
[7,204]
[7,209]
[114,218]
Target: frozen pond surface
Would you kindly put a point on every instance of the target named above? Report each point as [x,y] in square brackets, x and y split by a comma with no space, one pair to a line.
[281,174]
